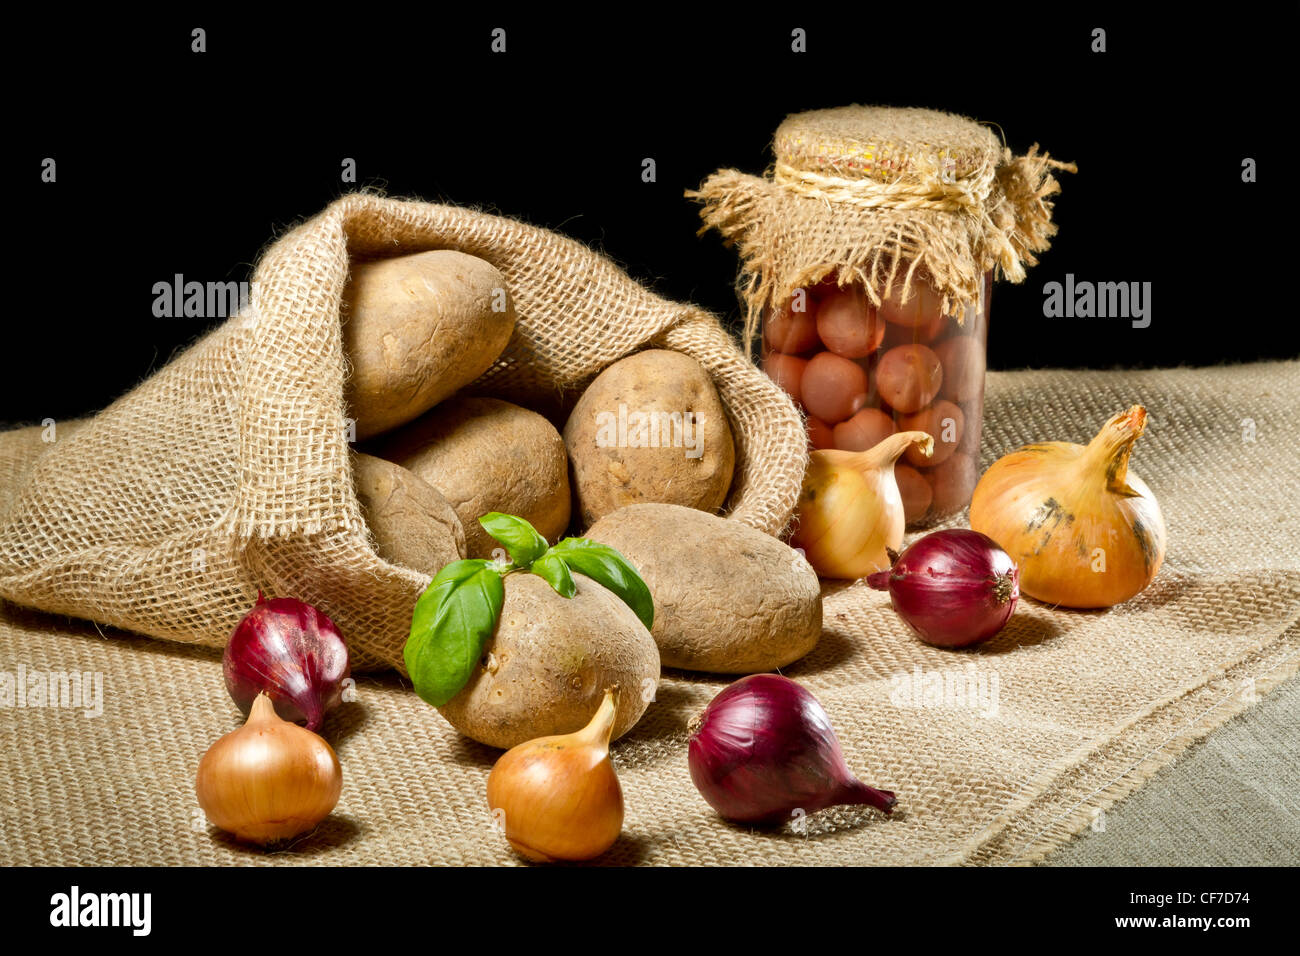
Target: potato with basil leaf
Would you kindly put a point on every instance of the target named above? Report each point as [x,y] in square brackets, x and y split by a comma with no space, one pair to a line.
[511,650]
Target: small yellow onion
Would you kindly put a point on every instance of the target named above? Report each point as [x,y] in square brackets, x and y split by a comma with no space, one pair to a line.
[850,510]
[270,779]
[1086,531]
[558,798]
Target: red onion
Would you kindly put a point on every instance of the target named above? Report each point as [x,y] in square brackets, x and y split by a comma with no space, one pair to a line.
[955,587]
[291,651]
[764,748]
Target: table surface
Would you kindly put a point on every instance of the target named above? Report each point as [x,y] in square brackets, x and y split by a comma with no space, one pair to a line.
[1230,800]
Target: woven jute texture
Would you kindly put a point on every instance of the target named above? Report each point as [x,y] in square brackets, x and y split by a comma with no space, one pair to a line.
[873,194]
[227,471]
[1089,704]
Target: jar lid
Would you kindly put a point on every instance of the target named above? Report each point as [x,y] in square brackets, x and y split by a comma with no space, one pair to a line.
[885,144]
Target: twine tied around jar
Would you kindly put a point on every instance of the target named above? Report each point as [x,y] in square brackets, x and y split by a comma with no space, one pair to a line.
[941,194]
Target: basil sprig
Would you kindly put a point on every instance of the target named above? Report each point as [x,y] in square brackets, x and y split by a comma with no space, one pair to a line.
[457,614]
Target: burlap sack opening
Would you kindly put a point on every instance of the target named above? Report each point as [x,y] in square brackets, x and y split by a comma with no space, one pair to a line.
[227,471]
[875,195]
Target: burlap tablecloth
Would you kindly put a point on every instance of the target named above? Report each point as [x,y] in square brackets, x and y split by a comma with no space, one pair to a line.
[1089,705]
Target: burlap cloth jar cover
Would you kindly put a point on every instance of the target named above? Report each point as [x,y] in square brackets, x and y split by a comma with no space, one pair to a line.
[874,194]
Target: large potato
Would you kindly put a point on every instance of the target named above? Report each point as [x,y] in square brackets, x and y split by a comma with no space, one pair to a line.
[728,598]
[484,455]
[413,525]
[650,428]
[416,329]
[547,666]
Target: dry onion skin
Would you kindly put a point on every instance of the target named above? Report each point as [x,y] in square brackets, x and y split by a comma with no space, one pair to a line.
[270,780]
[558,798]
[851,512]
[1086,531]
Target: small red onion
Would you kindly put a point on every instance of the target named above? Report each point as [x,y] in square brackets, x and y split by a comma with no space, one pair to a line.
[764,748]
[293,653]
[955,588]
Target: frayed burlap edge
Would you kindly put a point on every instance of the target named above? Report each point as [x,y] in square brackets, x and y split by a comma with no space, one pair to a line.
[789,240]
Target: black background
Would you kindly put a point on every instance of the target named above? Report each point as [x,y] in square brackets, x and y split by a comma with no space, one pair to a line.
[175,162]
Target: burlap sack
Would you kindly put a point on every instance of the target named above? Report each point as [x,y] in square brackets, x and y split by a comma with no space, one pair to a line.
[1090,703]
[875,194]
[228,471]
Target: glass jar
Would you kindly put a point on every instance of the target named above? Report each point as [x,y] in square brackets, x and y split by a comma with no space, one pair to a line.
[861,373]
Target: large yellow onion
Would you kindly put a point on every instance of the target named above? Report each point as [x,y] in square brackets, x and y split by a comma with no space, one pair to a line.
[1085,530]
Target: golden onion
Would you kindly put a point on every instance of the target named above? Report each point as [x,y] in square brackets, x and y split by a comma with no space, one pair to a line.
[1086,531]
[850,509]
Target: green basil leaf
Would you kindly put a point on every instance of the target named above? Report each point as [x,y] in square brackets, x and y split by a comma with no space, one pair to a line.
[520,538]
[552,569]
[453,620]
[611,570]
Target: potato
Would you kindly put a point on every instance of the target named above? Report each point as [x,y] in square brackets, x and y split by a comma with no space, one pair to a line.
[864,430]
[915,491]
[416,329]
[909,376]
[547,666]
[848,324]
[651,427]
[413,525]
[484,455]
[921,307]
[963,367]
[820,435]
[953,483]
[786,371]
[728,598]
[791,332]
[944,422]
[833,388]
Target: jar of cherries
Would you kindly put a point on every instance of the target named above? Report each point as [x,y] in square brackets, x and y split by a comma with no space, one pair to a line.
[861,373]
